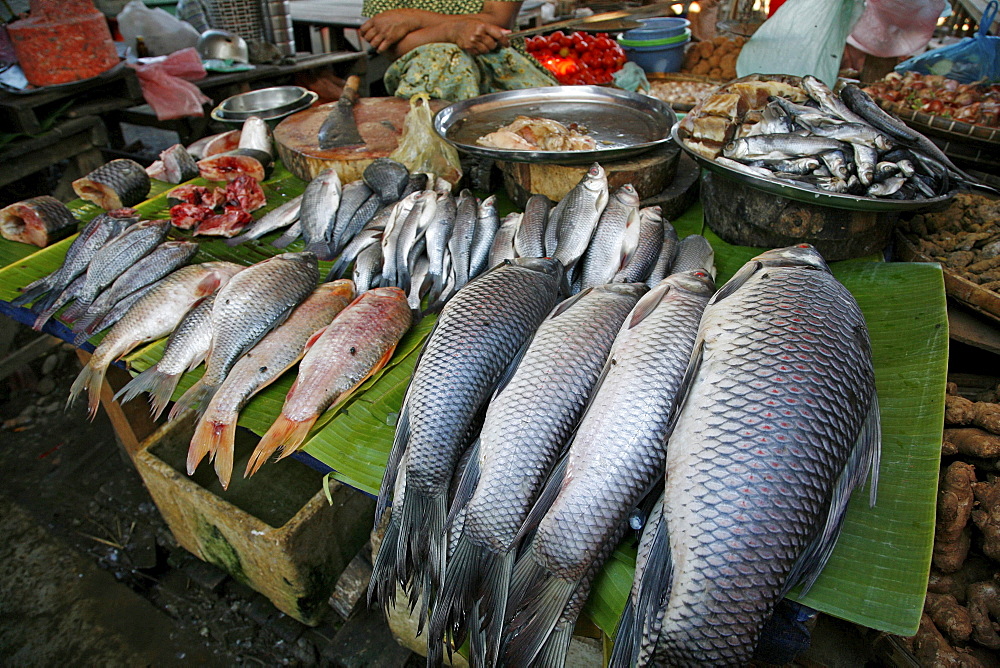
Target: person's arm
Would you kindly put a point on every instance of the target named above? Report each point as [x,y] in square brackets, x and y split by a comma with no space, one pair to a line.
[398,31]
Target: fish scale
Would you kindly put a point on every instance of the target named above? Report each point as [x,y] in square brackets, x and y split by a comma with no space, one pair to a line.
[768,425]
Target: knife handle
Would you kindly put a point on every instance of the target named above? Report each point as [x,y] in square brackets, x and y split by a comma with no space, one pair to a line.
[350,94]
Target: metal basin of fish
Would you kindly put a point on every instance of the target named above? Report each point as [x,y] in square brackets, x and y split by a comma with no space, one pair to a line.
[623,123]
[267,103]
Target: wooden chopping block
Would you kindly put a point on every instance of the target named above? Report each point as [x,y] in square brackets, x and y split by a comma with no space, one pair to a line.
[648,172]
[380,123]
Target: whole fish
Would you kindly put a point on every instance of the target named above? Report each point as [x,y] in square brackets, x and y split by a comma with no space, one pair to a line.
[153,316]
[162,260]
[412,230]
[732,540]
[387,178]
[361,242]
[865,159]
[667,252]
[390,237]
[616,456]
[527,424]
[256,301]
[604,253]
[318,212]
[367,272]
[438,233]
[418,284]
[487,224]
[887,187]
[186,348]
[361,218]
[277,352]
[503,242]
[293,232]
[460,243]
[116,313]
[529,241]
[477,335]
[359,342]
[115,258]
[637,267]
[694,253]
[352,198]
[835,162]
[854,133]
[281,216]
[829,101]
[576,216]
[777,147]
[92,237]
[113,185]
[39,221]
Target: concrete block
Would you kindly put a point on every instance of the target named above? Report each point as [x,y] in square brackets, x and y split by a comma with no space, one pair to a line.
[275,532]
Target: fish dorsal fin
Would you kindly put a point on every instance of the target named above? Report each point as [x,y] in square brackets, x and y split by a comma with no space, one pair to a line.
[466,485]
[737,281]
[694,365]
[647,304]
[567,304]
[545,500]
[511,369]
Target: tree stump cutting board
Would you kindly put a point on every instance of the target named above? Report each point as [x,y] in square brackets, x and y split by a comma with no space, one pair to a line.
[648,172]
[380,123]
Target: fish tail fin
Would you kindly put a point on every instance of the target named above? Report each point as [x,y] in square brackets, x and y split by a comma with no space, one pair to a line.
[382,586]
[32,292]
[624,650]
[497,571]
[45,310]
[449,621]
[653,591]
[159,385]
[212,436]
[223,450]
[538,599]
[197,397]
[422,548]
[76,311]
[337,270]
[321,249]
[553,652]
[285,435]
[91,378]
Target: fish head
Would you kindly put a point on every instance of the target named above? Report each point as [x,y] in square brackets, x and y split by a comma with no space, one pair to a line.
[545,265]
[735,149]
[627,195]
[633,290]
[651,212]
[387,292]
[301,256]
[488,203]
[342,286]
[801,255]
[882,142]
[697,282]
[595,177]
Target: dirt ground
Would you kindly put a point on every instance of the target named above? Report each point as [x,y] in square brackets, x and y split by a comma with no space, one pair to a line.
[90,571]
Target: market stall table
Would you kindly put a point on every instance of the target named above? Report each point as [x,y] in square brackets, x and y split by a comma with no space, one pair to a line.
[905,308]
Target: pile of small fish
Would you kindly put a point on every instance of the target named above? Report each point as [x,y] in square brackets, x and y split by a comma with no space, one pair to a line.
[396,228]
[533,429]
[800,131]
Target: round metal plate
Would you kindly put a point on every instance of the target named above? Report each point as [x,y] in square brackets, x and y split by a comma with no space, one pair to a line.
[623,123]
[220,114]
[811,195]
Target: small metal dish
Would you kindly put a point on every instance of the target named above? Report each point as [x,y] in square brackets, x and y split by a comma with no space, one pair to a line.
[265,102]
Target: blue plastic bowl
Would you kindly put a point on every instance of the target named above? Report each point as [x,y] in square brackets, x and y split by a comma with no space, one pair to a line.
[660,59]
[658,28]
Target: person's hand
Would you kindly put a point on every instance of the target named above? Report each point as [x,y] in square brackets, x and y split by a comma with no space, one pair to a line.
[385,30]
[475,36]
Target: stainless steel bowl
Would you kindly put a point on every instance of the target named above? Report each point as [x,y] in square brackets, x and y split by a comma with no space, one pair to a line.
[223,45]
[265,103]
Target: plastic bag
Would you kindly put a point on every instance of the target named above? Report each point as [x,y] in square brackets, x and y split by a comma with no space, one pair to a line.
[163,87]
[777,47]
[972,59]
[422,149]
[894,28]
[161,33]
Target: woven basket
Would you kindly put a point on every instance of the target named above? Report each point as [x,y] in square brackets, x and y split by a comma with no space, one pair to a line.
[655,77]
[976,144]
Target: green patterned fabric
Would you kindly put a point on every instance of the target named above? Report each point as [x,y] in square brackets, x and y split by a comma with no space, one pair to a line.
[447,72]
[373,7]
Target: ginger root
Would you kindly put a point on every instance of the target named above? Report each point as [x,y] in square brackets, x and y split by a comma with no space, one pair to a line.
[964,412]
[984,604]
[931,649]
[949,617]
[975,569]
[987,515]
[971,441]
[952,536]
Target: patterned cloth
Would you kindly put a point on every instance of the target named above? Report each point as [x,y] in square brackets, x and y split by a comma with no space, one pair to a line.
[373,7]
[447,72]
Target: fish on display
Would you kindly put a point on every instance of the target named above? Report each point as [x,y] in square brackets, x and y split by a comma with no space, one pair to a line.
[780,382]
[639,264]
[387,178]
[529,241]
[694,253]
[668,250]
[356,345]
[113,185]
[39,221]
[256,301]
[418,284]
[394,223]
[487,224]
[153,316]
[281,216]
[353,196]
[277,352]
[293,232]
[605,250]
[503,242]
[367,272]
[527,424]
[318,212]
[411,232]
[186,348]
[438,233]
[116,257]
[576,216]
[777,147]
[463,232]
[615,458]
[361,242]
[175,165]
[477,335]
[116,313]
[253,156]
[162,260]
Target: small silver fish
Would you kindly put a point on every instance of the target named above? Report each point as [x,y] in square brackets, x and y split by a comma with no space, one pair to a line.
[529,241]
[318,212]
[576,215]
[487,224]
[503,242]
[604,254]
[281,216]
[765,147]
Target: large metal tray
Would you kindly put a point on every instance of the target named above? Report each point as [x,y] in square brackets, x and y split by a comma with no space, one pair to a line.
[623,123]
[812,195]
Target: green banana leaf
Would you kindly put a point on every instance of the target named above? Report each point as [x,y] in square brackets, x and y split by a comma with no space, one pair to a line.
[878,573]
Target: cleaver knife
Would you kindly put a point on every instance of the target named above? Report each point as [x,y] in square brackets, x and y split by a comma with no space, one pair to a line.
[339,129]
